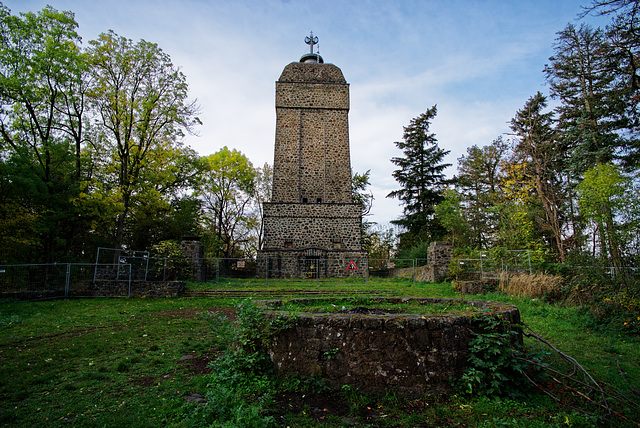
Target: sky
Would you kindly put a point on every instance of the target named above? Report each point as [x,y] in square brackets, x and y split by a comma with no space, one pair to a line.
[477,60]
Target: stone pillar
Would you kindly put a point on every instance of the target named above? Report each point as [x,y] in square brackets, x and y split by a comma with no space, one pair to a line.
[439,255]
[193,249]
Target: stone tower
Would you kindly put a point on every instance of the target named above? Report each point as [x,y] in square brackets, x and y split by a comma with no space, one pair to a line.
[311,225]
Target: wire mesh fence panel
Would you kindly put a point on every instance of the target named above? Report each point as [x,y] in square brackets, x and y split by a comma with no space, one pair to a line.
[37,281]
[469,269]
[400,269]
[137,262]
[93,280]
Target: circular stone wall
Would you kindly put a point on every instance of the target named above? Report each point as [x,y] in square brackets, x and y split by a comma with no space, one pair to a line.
[378,350]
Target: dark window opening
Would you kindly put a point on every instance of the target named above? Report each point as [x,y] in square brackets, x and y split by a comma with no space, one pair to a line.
[305,200]
[288,243]
[319,200]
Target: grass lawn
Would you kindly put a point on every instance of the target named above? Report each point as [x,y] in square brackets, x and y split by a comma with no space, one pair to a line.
[144,362]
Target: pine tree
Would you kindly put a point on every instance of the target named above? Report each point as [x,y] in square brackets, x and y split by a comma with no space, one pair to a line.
[421,176]
[589,114]
[537,146]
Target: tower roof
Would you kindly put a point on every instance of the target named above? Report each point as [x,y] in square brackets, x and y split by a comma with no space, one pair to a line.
[312,72]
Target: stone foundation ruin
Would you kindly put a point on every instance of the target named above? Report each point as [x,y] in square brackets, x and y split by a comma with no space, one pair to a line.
[378,350]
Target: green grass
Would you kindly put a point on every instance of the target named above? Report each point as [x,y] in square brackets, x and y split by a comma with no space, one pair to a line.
[117,362]
[347,304]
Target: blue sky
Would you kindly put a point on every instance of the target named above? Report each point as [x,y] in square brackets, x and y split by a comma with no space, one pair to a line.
[479,61]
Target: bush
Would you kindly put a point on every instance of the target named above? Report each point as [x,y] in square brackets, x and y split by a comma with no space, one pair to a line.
[617,313]
[498,363]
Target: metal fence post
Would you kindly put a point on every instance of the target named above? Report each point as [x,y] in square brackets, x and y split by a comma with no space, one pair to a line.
[266,270]
[413,272]
[130,269]
[217,270]
[366,277]
[67,279]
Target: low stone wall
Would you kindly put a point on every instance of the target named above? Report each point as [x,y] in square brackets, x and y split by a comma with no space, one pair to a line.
[479,286]
[422,273]
[121,288]
[407,354]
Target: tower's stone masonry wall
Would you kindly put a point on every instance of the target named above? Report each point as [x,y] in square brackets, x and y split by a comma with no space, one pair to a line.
[328,226]
[311,226]
[312,263]
[311,159]
[312,95]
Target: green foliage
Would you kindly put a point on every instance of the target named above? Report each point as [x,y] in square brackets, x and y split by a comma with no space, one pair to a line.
[226,192]
[538,149]
[449,213]
[417,251]
[173,259]
[604,195]
[242,383]
[142,99]
[496,362]
[616,314]
[41,163]
[359,184]
[421,176]
[378,241]
[479,174]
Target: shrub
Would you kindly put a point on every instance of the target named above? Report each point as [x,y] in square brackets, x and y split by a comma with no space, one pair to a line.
[617,313]
[177,264]
[498,362]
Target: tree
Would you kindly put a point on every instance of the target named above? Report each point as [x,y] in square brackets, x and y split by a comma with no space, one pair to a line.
[518,208]
[226,191]
[40,69]
[422,180]
[537,146]
[479,175]
[589,116]
[604,195]
[623,34]
[142,105]
[379,242]
[450,214]
[262,193]
[362,197]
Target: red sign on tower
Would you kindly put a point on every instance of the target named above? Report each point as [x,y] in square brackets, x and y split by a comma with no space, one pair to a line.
[352,266]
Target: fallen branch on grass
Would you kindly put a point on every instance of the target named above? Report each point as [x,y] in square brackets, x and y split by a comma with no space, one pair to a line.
[571,385]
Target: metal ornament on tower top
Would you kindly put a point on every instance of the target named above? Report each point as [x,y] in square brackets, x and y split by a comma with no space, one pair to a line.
[311,40]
